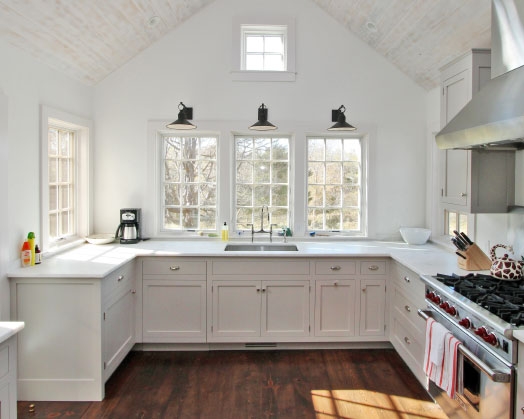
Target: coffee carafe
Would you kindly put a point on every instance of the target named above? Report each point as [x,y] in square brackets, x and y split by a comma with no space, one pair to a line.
[128,230]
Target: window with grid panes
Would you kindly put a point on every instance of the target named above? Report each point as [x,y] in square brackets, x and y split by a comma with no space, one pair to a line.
[62,190]
[264,47]
[262,178]
[189,183]
[334,184]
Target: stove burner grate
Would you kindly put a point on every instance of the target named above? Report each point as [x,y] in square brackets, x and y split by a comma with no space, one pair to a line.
[505,299]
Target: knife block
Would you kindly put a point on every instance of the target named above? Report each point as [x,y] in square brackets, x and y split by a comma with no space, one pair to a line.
[476,259]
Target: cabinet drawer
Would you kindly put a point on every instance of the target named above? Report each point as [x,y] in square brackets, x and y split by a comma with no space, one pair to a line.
[409,281]
[408,341]
[117,280]
[172,266]
[407,308]
[373,267]
[335,267]
[260,267]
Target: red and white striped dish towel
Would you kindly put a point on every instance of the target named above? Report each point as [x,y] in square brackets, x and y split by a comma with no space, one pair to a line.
[440,356]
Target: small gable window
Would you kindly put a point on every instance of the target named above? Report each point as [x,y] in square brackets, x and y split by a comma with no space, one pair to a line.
[263,49]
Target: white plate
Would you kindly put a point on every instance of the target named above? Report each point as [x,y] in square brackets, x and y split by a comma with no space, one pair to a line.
[103,238]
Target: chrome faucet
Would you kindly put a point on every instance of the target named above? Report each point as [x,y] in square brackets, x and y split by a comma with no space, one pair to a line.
[270,232]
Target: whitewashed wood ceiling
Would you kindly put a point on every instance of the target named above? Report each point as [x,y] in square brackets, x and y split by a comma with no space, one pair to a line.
[89,39]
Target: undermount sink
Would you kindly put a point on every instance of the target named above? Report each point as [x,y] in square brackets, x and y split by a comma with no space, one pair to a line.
[261,248]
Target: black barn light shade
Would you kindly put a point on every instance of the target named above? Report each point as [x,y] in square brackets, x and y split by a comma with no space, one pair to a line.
[184,115]
[337,115]
[262,124]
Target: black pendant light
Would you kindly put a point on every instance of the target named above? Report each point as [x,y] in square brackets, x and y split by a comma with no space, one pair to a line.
[337,115]
[184,115]
[262,124]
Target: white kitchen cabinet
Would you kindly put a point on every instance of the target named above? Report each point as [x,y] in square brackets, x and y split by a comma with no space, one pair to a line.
[256,300]
[350,299]
[270,308]
[335,307]
[472,181]
[63,347]
[118,320]
[372,307]
[174,300]
[408,329]
[8,374]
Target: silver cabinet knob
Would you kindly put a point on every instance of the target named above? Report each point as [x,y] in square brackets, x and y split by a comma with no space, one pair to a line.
[406,339]
[406,278]
[335,268]
[463,194]
[373,268]
[120,278]
[407,308]
[174,268]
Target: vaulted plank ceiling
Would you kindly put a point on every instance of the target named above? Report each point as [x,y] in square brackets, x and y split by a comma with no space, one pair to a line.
[89,39]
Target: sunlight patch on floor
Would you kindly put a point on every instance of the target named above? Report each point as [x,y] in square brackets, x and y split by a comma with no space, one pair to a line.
[365,404]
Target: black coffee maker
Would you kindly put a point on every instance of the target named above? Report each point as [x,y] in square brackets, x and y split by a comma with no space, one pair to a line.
[129,229]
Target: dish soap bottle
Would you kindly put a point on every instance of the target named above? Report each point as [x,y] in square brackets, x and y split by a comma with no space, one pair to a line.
[225,232]
[31,241]
[25,254]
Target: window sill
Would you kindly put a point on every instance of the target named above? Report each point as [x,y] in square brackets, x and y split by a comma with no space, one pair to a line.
[285,76]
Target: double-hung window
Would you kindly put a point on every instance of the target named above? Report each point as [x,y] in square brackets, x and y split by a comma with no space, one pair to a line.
[262,178]
[65,178]
[189,182]
[335,185]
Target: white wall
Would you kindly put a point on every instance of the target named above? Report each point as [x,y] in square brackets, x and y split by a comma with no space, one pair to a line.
[192,64]
[28,84]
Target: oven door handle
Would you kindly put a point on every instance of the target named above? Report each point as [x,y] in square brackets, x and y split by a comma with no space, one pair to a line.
[495,376]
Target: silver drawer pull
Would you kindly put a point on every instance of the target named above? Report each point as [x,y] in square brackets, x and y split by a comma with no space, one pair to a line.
[406,339]
[335,283]
[408,308]
[174,268]
[120,278]
[133,291]
[373,268]
[335,268]
[406,278]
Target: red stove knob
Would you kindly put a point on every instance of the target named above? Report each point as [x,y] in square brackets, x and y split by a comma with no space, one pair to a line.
[444,306]
[465,322]
[437,299]
[430,295]
[481,331]
[451,310]
[491,339]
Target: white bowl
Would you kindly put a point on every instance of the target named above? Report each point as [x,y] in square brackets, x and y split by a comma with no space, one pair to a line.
[103,238]
[415,235]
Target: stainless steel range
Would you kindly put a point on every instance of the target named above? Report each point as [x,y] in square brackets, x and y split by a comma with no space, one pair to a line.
[482,312]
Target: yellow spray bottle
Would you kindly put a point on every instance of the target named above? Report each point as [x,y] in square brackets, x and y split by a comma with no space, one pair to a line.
[31,241]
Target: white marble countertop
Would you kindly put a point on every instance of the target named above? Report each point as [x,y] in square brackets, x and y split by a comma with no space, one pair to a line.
[8,329]
[97,261]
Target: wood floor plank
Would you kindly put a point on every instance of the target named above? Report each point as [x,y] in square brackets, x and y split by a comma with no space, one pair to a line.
[310,384]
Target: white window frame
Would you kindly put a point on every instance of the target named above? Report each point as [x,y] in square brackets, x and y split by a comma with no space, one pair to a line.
[363,231]
[161,173]
[263,31]
[290,184]
[83,178]
[268,23]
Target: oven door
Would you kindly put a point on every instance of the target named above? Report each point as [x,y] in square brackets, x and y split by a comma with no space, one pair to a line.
[484,387]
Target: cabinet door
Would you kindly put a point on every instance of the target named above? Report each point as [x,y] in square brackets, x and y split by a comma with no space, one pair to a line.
[372,307]
[174,310]
[236,308]
[119,329]
[335,307]
[285,308]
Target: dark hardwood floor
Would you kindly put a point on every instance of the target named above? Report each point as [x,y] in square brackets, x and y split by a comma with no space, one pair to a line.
[318,384]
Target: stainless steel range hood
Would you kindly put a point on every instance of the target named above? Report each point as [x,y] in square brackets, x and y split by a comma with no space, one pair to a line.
[495,115]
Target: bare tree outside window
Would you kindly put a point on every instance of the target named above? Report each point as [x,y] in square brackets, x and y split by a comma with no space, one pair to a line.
[189,183]
[262,178]
[334,184]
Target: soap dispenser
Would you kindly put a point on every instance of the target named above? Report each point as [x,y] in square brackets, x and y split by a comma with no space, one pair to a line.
[225,232]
